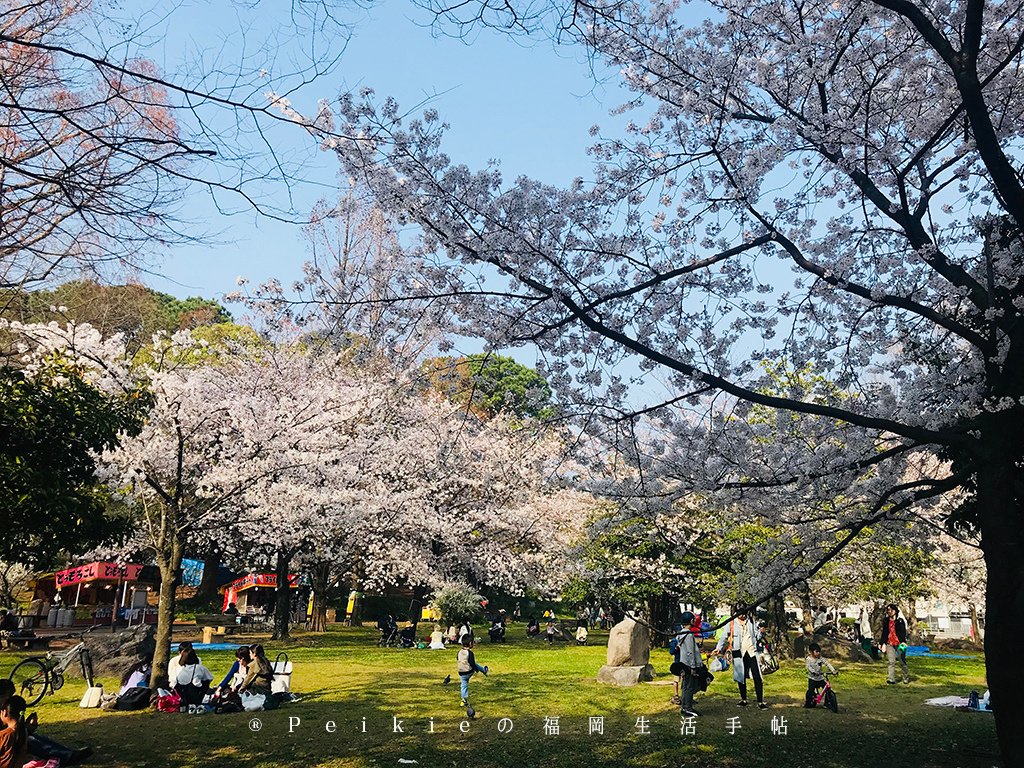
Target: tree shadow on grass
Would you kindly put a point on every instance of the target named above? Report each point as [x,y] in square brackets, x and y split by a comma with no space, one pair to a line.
[408,687]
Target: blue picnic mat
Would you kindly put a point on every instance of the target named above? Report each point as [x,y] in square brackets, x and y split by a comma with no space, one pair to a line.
[924,650]
[210,646]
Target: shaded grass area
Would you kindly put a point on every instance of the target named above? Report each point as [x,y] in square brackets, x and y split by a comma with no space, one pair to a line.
[343,678]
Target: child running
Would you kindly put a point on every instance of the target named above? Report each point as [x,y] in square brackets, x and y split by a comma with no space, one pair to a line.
[467,667]
[815,676]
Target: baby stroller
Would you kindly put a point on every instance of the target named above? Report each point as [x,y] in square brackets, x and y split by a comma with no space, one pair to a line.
[388,632]
[407,637]
[497,632]
[581,635]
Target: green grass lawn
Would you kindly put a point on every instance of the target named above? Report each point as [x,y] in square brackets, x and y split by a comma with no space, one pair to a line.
[343,678]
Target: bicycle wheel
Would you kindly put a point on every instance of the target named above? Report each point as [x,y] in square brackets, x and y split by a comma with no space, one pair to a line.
[86,661]
[31,680]
[831,701]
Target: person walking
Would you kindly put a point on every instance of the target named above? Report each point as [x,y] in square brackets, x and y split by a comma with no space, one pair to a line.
[743,639]
[467,667]
[894,642]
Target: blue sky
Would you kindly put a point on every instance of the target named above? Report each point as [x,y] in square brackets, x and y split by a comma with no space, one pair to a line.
[531,107]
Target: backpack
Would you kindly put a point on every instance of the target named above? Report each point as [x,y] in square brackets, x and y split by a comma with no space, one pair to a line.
[132,699]
[673,646]
[973,701]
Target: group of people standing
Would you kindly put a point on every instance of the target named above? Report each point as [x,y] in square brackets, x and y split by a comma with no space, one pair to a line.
[741,641]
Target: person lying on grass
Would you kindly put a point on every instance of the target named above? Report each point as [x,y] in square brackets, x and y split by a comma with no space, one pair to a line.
[37,745]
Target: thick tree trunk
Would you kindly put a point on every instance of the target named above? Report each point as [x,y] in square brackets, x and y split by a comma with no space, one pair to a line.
[1002,541]
[283,600]
[778,627]
[976,634]
[208,585]
[663,613]
[321,585]
[419,597]
[355,616]
[168,563]
[806,608]
[913,635]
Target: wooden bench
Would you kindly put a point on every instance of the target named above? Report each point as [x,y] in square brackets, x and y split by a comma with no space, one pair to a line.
[230,623]
[28,643]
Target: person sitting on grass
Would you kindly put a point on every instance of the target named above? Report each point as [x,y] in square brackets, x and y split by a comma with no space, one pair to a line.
[532,627]
[815,675]
[40,747]
[260,674]
[467,667]
[239,668]
[14,736]
[136,676]
[437,639]
[8,626]
[193,680]
[177,662]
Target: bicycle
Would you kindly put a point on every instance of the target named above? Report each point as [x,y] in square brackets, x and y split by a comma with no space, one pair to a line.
[36,676]
[827,696]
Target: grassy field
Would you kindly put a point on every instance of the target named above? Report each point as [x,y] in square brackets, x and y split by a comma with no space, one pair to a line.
[343,678]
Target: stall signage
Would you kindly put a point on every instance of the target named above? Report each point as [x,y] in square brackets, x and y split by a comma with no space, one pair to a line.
[94,571]
[261,580]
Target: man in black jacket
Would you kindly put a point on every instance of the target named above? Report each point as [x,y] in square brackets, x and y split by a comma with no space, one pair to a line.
[894,638]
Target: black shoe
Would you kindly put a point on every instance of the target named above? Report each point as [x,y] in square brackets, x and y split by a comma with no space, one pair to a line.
[688,713]
[79,755]
[741,703]
[891,682]
[762,705]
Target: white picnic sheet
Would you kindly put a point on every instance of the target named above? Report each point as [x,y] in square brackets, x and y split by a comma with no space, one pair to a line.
[948,701]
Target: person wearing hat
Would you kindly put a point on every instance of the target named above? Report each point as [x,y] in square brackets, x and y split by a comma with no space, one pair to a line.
[690,662]
[894,642]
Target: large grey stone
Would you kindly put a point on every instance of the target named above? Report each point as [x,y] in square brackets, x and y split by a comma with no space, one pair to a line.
[113,653]
[629,645]
[625,676]
[831,648]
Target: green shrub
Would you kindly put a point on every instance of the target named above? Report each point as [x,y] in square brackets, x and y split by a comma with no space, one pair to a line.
[457,603]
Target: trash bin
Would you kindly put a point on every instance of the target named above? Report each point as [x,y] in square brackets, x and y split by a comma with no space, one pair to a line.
[207,635]
[51,616]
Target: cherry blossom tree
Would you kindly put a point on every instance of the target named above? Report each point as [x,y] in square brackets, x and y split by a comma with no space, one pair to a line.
[436,496]
[835,184]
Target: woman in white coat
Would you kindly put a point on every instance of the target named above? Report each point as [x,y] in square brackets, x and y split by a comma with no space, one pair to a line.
[743,639]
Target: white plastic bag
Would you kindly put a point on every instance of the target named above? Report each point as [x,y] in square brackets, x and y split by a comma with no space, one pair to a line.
[252,702]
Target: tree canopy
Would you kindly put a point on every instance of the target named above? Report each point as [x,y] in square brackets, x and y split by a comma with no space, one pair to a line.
[836,184]
[53,424]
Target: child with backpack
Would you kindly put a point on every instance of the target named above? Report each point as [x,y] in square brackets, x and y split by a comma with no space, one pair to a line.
[467,667]
[815,675]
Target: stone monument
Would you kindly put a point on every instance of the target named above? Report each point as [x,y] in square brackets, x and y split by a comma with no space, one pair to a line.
[629,655]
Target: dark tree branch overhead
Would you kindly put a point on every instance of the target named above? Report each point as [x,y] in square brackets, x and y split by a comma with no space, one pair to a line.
[876,146]
[98,147]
